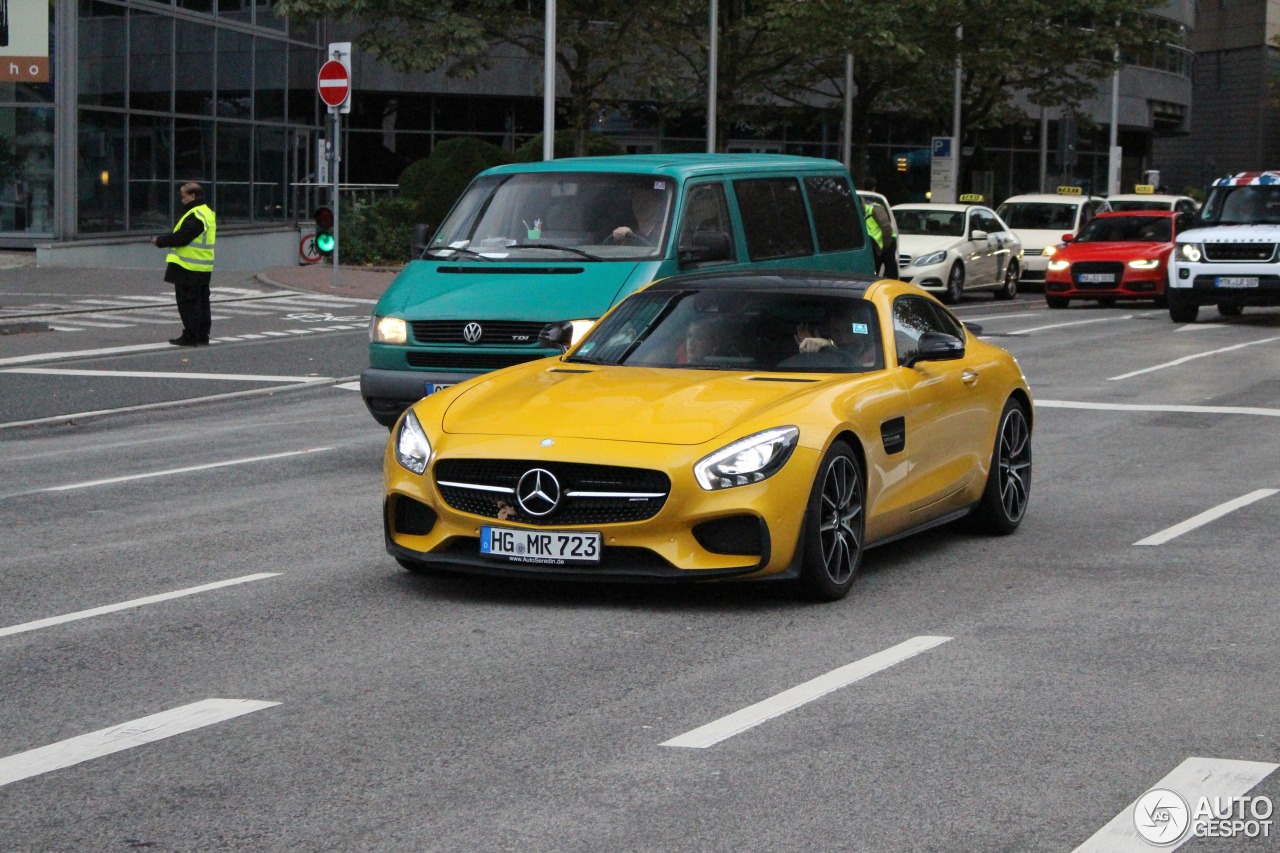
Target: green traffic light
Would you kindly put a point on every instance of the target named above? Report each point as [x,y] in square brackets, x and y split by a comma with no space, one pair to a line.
[324,242]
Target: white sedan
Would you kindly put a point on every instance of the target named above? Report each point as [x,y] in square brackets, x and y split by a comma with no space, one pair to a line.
[951,248]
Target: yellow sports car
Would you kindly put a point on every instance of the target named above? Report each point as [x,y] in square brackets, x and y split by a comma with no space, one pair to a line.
[718,426]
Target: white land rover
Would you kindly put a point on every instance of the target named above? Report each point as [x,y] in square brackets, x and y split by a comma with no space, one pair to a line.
[1229,257]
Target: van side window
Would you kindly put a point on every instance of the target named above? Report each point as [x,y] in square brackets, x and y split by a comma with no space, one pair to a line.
[705,209]
[774,218]
[834,214]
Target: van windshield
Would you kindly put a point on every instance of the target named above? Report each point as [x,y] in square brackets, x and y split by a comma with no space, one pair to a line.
[591,215]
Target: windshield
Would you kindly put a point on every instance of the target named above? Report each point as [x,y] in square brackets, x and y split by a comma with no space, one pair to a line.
[935,223]
[1134,204]
[1039,215]
[597,216]
[775,331]
[1245,205]
[1140,229]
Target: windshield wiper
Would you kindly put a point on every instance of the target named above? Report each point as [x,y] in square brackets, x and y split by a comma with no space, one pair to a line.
[578,252]
[460,250]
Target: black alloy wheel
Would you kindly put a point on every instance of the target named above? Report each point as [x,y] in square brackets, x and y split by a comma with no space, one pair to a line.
[1004,502]
[955,284]
[835,525]
[1010,288]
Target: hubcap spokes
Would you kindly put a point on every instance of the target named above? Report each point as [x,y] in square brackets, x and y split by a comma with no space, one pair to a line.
[841,516]
[1015,465]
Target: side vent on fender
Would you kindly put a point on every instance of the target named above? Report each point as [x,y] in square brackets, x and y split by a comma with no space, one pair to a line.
[893,433]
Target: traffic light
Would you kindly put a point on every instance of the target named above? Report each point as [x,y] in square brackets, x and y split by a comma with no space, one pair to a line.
[325,241]
[902,164]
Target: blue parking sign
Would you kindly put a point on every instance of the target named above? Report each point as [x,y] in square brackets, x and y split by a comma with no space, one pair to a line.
[942,146]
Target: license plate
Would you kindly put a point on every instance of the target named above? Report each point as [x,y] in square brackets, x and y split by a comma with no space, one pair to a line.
[433,387]
[1097,278]
[547,547]
[1237,281]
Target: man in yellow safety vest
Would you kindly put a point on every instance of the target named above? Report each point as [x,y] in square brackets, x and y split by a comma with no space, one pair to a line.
[190,264]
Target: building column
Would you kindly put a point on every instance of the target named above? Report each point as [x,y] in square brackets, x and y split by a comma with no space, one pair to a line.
[65,97]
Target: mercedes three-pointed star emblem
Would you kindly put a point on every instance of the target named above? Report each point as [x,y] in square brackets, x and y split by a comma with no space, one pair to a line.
[538,492]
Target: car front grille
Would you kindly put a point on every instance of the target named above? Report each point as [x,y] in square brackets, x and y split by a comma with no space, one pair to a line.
[1111,268]
[1032,253]
[492,332]
[470,360]
[590,494]
[1239,251]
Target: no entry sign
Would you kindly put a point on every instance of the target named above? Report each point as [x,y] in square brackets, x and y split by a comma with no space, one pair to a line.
[334,84]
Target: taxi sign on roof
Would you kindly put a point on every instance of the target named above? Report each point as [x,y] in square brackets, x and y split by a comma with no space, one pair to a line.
[1144,189]
[1249,179]
[1070,191]
[972,198]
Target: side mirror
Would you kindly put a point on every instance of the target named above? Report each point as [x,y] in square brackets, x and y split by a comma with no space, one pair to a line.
[706,246]
[418,242]
[1068,238]
[978,234]
[937,346]
[557,335]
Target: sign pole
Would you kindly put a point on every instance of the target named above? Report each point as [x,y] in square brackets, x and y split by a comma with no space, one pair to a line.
[337,158]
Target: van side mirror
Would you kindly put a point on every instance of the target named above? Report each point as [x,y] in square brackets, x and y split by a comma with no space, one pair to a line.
[418,242]
[706,246]
[937,346]
[557,335]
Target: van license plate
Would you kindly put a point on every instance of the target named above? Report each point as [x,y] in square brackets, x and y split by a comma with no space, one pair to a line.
[1097,278]
[548,547]
[433,387]
[1237,281]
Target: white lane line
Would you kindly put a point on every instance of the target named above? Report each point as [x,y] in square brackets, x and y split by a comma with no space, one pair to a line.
[143,374]
[1191,780]
[984,317]
[788,700]
[205,467]
[1200,327]
[129,605]
[137,732]
[349,386]
[84,353]
[1205,517]
[1187,358]
[1064,325]
[94,324]
[1147,407]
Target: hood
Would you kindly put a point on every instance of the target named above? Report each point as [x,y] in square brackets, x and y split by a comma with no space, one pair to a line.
[916,245]
[656,406]
[1114,251]
[566,289]
[1232,234]
[1038,239]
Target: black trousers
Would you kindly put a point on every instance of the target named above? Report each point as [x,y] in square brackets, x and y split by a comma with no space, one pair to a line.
[193,308]
[889,257]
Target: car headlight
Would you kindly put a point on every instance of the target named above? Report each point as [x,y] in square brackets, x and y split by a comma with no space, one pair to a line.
[388,330]
[412,448]
[1059,265]
[931,259]
[1050,251]
[1189,252]
[748,460]
[1145,263]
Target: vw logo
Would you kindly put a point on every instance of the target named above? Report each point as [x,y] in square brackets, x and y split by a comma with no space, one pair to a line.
[538,492]
[471,333]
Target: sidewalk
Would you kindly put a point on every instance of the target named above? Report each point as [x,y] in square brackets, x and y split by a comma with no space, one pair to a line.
[355,282]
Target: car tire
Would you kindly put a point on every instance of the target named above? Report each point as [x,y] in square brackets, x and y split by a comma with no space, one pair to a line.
[1004,500]
[1182,312]
[955,284]
[835,525]
[1057,301]
[1230,309]
[1009,290]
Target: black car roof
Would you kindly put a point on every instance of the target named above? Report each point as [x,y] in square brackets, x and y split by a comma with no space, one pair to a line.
[853,284]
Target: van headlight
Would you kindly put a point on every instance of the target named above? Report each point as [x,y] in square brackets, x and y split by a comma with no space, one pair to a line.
[1050,251]
[1144,263]
[388,330]
[1188,252]
[931,259]
[748,460]
[412,447]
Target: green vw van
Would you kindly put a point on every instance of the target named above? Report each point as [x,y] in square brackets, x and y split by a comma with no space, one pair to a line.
[564,240]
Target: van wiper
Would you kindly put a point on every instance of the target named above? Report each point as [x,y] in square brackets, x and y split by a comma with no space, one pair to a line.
[540,245]
[471,253]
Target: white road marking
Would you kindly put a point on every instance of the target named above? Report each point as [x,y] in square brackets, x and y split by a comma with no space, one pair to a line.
[129,605]
[144,374]
[1187,358]
[129,477]
[985,317]
[1199,327]
[94,324]
[1072,323]
[84,353]
[788,700]
[1192,779]
[1205,517]
[349,386]
[1149,407]
[137,732]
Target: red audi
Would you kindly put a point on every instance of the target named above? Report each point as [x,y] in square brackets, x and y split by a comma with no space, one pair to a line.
[1116,256]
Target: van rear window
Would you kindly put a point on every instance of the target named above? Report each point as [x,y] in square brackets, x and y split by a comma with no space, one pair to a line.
[774,218]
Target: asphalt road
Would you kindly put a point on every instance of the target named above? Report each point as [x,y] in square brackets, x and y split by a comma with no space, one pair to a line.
[1071,669]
